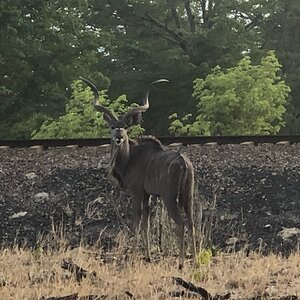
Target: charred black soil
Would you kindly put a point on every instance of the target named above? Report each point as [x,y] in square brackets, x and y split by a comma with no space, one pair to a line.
[69,192]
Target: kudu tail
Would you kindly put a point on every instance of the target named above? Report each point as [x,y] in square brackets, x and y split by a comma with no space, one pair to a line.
[186,188]
[186,200]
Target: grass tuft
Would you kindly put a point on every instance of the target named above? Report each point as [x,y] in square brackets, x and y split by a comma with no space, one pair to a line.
[31,274]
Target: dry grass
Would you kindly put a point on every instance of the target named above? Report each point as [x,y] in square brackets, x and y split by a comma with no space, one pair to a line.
[33,274]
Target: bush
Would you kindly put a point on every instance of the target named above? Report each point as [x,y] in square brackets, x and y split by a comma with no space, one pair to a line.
[81,119]
[244,100]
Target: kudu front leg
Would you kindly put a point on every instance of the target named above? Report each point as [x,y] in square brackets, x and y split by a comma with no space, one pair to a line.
[136,221]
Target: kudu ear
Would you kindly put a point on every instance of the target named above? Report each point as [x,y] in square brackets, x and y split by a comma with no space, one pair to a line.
[134,118]
[107,117]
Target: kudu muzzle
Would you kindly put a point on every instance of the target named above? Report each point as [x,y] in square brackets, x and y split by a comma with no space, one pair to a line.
[118,136]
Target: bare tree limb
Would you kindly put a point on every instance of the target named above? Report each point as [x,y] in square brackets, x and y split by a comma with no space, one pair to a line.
[74,269]
[204,11]
[129,294]
[76,297]
[252,19]
[190,286]
[254,22]
[178,37]
[190,15]
[174,13]
[184,294]
[208,8]
[68,297]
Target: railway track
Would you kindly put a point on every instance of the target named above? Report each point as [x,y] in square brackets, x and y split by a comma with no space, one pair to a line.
[199,140]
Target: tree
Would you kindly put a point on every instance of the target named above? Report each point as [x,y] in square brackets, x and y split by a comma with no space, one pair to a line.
[81,120]
[280,33]
[180,40]
[244,100]
[45,45]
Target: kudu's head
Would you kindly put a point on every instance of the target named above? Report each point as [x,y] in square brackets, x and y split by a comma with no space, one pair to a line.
[119,126]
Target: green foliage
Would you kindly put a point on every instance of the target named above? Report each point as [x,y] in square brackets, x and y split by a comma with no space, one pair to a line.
[81,120]
[247,99]
[279,33]
[45,45]
[202,265]
[181,126]
[155,39]
[20,129]
[204,257]
[37,253]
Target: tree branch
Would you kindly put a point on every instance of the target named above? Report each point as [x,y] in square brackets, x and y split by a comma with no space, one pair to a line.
[177,37]
[203,11]
[210,5]
[174,13]
[207,11]
[254,22]
[190,286]
[254,19]
[190,15]
[74,269]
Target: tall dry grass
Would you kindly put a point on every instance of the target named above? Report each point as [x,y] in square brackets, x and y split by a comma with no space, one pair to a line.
[31,274]
[34,273]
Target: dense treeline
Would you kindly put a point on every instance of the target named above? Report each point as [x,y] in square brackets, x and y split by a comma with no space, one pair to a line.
[123,45]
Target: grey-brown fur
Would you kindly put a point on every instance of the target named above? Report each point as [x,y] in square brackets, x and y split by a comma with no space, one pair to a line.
[146,168]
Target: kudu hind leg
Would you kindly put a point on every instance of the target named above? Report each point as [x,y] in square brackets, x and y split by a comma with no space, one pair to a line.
[146,225]
[175,213]
[187,202]
[191,228]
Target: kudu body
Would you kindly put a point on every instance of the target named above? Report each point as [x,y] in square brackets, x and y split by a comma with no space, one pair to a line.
[145,168]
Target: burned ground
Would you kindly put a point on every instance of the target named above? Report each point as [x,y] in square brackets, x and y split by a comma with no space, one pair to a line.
[69,192]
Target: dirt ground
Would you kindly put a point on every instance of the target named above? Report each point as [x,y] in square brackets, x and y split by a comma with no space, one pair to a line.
[69,192]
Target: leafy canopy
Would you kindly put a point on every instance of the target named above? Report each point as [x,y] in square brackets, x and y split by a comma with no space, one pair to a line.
[81,119]
[45,45]
[247,99]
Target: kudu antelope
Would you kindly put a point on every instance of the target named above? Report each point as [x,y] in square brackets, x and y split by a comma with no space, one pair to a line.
[145,168]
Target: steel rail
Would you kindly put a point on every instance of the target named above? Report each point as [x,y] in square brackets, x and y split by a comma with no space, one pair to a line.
[199,140]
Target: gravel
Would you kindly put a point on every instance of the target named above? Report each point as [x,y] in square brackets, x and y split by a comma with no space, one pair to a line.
[68,193]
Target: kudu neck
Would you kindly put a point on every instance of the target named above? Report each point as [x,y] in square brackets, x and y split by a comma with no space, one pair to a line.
[120,156]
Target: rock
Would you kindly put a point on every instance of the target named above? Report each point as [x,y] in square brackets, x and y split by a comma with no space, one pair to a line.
[31,175]
[232,241]
[99,200]
[18,215]
[41,197]
[287,233]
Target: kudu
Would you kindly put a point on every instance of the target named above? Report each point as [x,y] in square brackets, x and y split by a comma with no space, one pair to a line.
[146,168]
